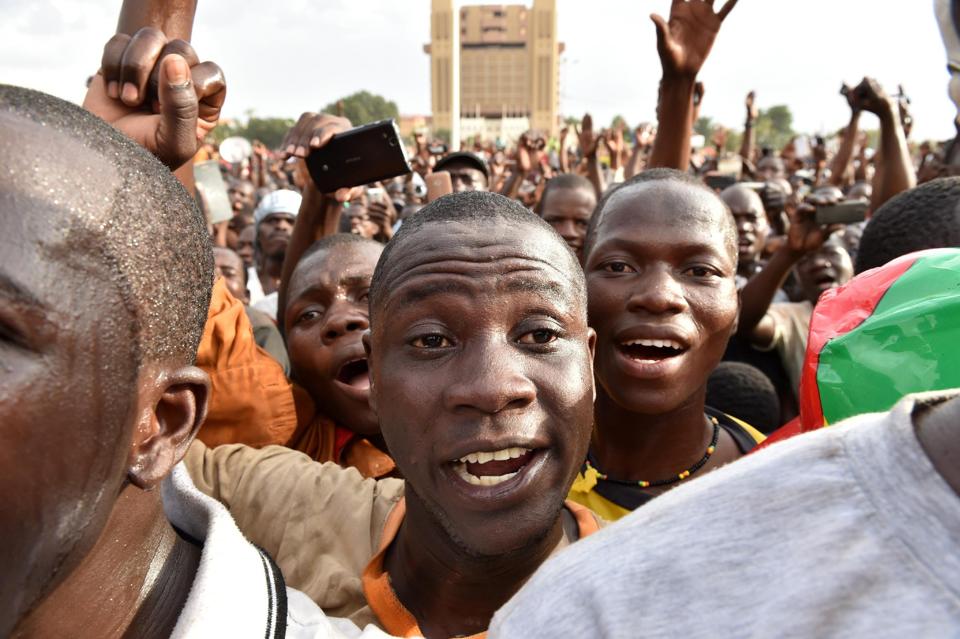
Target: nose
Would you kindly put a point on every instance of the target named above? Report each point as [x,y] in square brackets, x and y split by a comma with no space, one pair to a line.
[567,229]
[658,293]
[342,319]
[283,224]
[489,379]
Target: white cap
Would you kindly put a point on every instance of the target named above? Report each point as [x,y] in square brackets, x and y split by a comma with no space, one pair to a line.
[282,201]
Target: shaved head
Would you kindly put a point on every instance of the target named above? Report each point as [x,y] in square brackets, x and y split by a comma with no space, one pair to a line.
[115,207]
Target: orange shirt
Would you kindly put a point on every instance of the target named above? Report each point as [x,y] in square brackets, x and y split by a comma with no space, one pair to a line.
[394,618]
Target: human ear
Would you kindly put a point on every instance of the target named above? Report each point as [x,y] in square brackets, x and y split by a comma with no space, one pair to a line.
[592,346]
[365,339]
[172,404]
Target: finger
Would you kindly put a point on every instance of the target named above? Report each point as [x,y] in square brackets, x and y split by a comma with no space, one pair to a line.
[662,31]
[110,63]
[139,58]
[290,140]
[211,88]
[181,47]
[177,133]
[726,9]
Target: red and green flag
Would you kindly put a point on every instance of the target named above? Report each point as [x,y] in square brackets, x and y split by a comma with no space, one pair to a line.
[891,331]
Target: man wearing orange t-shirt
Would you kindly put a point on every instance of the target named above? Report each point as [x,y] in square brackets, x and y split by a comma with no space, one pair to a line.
[481,374]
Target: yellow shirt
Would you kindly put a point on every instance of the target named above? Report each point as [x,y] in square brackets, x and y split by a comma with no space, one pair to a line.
[584,491]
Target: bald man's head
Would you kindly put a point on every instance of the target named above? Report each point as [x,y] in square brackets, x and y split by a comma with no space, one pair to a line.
[114,205]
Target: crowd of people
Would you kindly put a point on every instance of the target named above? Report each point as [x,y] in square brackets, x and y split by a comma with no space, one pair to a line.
[388,411]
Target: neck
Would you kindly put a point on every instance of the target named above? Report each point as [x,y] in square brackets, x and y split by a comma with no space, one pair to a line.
[939,434]
[747,269]
[634,446]
[449,591]
[132,584]
[270,272]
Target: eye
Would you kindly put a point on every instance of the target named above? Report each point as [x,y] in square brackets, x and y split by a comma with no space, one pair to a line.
[308,316]
[581,224]
[617,267]
[539,336]
[701,271]
[364,295]
[433,340]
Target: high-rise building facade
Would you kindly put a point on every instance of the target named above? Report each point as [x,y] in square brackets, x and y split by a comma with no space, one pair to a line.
[500,62]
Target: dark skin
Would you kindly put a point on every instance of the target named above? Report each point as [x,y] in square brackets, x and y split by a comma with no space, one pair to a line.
[273,236]
[242,195]
[480,343]
[465,177]
[245,242]
[752,226]
[325,316]
[229,266]
[939,435]
[683,42]
[568,211]
[87,551]
[662,268]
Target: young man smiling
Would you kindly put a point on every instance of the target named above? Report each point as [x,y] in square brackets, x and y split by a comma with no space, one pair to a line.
[480,369]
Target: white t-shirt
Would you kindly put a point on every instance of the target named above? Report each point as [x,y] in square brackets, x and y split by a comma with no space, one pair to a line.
[845,532]
[238,591]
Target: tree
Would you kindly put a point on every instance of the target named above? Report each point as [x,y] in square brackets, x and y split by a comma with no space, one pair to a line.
[364,107]
[619,119]
[270,131]
[704,126]
[774,127]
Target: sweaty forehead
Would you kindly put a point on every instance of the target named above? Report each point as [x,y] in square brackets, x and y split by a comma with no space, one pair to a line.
[473,250]
[328,266]
[43,165]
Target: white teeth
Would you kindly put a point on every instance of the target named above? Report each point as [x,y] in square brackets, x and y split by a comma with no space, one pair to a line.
[497,455]
[659,343]
[486,480]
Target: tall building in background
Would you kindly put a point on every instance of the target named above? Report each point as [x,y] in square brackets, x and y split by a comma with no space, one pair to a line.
[508,68]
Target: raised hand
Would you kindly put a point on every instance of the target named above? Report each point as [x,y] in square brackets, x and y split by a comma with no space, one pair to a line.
[382,212]
[158,93]
[684,41]
[805,235]
[588,139]
[870,96]
[753,112]
[312,131]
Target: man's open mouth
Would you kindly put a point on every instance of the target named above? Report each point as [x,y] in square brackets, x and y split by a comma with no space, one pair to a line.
[651,350]
[493,467]
[355,374]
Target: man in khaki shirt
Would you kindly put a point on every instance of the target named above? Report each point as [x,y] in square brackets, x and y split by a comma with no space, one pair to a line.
[481,375]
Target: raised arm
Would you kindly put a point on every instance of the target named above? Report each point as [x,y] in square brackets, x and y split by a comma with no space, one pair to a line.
[319,214]
[805,236]
[749,141]
[683,42]
[841,161]
[589,142]
[894,168]
[152,86]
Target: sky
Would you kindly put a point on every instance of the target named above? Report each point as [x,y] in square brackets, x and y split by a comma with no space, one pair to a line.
[288,56]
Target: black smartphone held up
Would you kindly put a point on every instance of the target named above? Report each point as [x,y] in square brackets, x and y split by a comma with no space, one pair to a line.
[849,212]
[368,153]
[719,182]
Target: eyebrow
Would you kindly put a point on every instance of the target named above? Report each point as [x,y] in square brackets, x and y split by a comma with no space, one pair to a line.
[11,289]
[553,290]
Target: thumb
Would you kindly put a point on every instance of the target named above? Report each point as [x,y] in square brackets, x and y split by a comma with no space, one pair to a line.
[177,132]
[662,30]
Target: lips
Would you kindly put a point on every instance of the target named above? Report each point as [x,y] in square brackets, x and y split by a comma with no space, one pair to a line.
[353,378]
[651,353]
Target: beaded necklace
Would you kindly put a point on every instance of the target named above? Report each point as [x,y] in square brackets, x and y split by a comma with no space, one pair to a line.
[671,480]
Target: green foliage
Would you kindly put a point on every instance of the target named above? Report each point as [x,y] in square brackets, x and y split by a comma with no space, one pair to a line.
[442,134]
[774,127]
[364,107]
[619,119]
[270,131]
[704,126]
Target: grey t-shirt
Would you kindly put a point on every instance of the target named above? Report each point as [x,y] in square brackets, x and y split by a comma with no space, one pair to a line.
[848,531]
